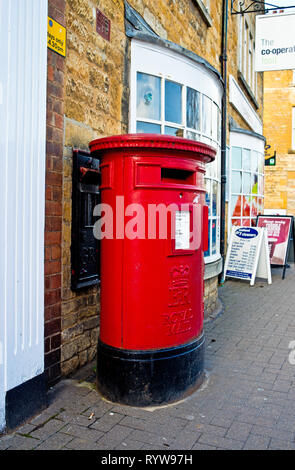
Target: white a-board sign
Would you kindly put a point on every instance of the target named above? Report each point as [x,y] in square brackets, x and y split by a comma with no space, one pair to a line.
[248,255]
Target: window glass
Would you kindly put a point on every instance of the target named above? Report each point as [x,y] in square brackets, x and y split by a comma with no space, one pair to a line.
[236,222]
[148,128]
[261,163]
[246,208]
[208,195]
[185,112]
[246,183]
[206,115]
[214,197]
[254,207]
[236,158]
[254,162]
[219,126]
[246,159]
[148,96]
[236,206]
[236,182]
[246,199]
[192,108]
[214,238]
[173,102]
[192,135]
[214,121]
[254,183]
[207,253]
[260,184]
[174,131]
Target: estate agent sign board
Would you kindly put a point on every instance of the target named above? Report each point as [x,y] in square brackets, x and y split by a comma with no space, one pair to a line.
[279,232]
[247,255]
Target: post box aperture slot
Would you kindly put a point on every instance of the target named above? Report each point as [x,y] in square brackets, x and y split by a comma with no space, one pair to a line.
[150,175]
[177,176]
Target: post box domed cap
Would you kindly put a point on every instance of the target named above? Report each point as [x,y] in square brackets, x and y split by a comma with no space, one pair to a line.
[196,149]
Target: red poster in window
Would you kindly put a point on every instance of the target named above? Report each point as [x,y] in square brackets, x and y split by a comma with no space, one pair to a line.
[278,232]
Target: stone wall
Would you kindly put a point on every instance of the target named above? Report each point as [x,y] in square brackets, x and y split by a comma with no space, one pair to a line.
[93,91]
[232,65]
[210,296]
[53,201]
[279,98]
[96,99]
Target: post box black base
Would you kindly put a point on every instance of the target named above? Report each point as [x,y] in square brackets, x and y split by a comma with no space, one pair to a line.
[153,377]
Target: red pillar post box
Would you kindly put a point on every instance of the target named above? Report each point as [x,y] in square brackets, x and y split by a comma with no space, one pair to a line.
[154,231]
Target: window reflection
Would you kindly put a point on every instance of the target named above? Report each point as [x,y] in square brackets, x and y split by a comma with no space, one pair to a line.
[147,128]
[246,183]
[236,206]
[236,158]
[246,159]
[206,115]
[246,200]
[214,237]
[192,135]
[184,112]
[236,182]
[148,96]
[173,102]
[173,131]
[192,108]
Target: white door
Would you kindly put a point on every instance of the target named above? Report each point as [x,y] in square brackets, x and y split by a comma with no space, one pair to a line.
[23,71]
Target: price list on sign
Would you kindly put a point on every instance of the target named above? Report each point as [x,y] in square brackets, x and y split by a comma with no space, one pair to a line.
[242,258]
[247,255]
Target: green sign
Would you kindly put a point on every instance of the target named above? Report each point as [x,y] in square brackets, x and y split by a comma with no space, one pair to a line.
[269,160]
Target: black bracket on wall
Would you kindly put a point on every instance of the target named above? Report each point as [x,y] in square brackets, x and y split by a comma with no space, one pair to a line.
[240,7]
[85,248]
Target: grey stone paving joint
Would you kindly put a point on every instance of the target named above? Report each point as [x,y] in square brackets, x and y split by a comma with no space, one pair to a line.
[248,401]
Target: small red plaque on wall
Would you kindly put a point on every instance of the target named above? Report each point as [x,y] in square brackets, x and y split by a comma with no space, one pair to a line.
[103,25]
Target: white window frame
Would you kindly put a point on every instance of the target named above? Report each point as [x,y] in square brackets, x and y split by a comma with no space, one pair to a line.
[168,65]
[246,54]
[247,142]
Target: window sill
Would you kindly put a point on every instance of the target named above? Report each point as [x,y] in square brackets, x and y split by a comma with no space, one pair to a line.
[248,89]
[213,269]
[292,151]
[204,12]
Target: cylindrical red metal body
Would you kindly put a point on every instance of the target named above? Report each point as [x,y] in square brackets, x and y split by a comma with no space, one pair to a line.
[152,268]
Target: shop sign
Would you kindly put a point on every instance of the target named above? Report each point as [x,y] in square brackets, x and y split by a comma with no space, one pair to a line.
[247,256]
[279,232]
[275,45]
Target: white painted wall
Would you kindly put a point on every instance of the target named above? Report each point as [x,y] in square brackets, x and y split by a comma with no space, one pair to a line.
[242,105]
[23,71]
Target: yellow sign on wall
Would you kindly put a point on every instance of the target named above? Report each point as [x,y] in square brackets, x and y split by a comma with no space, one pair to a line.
[56,37]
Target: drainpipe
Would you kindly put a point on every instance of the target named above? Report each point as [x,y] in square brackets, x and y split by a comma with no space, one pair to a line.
[223,60]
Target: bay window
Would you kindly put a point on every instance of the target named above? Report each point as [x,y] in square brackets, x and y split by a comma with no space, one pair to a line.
[170,94]
[246,180]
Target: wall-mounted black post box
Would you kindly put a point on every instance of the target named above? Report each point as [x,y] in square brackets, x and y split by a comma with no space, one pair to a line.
[85,196]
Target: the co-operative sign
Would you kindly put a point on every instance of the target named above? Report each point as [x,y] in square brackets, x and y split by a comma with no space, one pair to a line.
[246,233]
[275,42]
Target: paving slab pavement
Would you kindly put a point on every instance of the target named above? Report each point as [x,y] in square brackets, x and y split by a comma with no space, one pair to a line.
[246,402]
